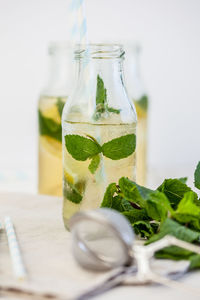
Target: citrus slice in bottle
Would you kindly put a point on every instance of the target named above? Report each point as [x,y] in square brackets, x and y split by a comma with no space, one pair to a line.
[52,113]
[69,176]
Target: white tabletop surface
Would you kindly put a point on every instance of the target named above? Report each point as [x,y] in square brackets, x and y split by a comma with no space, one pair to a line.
[46,250]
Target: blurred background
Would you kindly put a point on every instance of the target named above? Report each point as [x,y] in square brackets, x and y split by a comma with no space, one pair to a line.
[169,34]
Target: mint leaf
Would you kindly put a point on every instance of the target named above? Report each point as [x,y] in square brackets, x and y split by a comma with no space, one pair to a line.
[113,110]
[101,100]
[188,212]
[177,230]
[81,148]
[101,96]
[174,190]
[143,228]
[197,177]
[194,262]
[74,193]
[170,227]
[94,164]
[132,192]
[124,205]
[60,105]
[108,196]
[183,179]
[158,206]
[120,147]
[49,127]
[174,253]
[143,102]
[135,215]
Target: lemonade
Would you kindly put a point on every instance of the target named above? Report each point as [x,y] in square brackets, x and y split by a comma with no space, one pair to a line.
[50,145]
[82,188]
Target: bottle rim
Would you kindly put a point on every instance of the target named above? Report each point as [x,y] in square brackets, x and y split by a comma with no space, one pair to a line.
[99,51]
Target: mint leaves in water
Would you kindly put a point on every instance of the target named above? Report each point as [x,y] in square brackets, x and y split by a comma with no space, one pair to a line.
[101,101]
[49,126]
[171,209]
[83,148]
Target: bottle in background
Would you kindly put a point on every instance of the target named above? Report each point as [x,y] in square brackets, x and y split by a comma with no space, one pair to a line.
[50,106]
[137,93]
[99,130]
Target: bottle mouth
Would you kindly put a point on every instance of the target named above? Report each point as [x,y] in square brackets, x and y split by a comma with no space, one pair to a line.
[99,51]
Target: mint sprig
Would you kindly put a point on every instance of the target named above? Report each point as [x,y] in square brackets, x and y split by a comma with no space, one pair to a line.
[101,101]
[171,209]
[83,148]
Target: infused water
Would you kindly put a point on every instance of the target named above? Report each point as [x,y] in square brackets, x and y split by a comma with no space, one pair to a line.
[84,186]
[50,145]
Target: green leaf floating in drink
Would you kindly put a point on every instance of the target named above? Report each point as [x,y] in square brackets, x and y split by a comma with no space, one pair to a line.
[93,166]
[101,101]
[83,148]
[120,147]
[74,192]
[50,127]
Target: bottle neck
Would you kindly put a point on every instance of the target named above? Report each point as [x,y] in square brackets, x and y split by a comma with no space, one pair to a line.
[110,70]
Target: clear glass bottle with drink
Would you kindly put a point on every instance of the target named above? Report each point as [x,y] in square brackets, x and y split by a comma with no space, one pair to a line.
[99,129]
[137,93]
[50,106]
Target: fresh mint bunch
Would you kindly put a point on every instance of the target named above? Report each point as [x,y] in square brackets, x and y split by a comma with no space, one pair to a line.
[172,209]
[82,148]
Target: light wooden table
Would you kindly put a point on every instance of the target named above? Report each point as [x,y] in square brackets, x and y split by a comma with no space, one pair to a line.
[46,250]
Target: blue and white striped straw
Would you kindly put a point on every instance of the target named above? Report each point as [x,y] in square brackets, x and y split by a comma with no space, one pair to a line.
[18,266]
[78,22]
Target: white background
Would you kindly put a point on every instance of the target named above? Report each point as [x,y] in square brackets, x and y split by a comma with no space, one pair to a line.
[169,32]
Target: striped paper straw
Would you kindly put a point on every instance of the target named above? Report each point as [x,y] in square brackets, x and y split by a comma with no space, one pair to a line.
[18,266]
[78,21]
[79,33]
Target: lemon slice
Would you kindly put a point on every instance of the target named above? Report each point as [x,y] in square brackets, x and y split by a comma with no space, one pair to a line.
[69,176]
[51,145]
[52,113]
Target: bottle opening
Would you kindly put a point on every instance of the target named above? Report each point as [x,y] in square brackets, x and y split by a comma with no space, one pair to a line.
[99,51]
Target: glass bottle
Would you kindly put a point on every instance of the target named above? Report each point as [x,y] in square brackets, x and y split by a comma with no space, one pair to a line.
[50,106]
[99,129]
[137,93]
